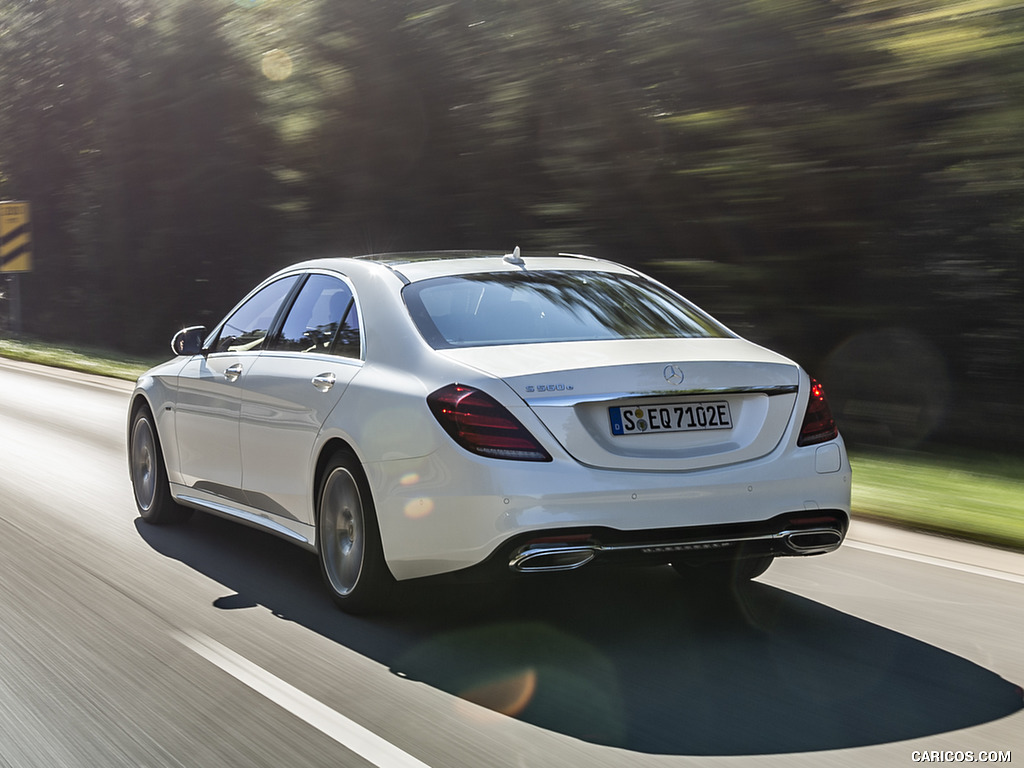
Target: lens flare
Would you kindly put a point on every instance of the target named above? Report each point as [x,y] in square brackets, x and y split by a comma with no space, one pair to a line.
[418,508]
[508,695]
[276,65]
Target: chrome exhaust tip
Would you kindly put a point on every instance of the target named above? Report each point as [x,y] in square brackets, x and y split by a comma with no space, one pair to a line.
[550,557]
[812,542]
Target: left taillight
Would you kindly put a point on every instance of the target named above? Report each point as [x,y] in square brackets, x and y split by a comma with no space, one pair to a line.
[482,425]
[819,426]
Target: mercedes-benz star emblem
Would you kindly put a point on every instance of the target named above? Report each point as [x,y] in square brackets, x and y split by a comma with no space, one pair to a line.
[673,374]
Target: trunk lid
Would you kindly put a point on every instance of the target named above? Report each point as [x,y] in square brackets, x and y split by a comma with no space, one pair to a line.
[651,404]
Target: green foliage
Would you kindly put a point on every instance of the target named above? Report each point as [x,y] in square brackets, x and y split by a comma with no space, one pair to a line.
[806,170]
[74,358]
[975,497]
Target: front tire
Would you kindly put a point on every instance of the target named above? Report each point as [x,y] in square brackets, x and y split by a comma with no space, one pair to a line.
[149,474]
[348,539]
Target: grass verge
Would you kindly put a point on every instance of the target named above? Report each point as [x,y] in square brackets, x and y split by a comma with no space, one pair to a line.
[976,496]
[971,496]
[100,362]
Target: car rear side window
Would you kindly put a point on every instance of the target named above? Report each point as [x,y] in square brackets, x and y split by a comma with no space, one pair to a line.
[524,307]
[322,319]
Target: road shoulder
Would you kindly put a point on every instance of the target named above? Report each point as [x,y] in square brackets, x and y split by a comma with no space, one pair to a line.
[68,375]
[956,552]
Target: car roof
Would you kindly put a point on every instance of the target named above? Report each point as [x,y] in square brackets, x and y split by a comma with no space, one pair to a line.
[413,266]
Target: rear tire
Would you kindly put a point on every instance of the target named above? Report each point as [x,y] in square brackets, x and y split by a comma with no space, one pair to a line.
[348,539]
[149,474]
[724,574]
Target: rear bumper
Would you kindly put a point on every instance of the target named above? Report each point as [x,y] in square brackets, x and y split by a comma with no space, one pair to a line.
[450,511]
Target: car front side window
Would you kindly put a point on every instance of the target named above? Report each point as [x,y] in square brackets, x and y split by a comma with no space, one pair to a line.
[247,328]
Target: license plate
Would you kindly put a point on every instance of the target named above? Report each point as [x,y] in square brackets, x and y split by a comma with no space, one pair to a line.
[670,417]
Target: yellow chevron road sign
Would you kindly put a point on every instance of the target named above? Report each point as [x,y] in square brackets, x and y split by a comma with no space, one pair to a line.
[15,237]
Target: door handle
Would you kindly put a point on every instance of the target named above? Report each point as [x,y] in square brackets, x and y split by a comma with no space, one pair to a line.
[324,381]
[233,372]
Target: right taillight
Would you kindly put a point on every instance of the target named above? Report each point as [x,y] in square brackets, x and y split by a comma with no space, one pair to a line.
[482,425]
[819,426]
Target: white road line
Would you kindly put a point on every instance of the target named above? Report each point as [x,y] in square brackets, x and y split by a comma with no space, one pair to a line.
[349,734]
[951,564]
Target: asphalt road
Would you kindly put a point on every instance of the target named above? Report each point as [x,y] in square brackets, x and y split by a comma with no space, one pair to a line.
[212,644]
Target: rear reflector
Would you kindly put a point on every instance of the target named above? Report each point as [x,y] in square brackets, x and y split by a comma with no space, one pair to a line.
[482,425]
[818,426]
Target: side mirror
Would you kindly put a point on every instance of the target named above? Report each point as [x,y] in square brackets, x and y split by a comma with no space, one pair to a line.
[189,341]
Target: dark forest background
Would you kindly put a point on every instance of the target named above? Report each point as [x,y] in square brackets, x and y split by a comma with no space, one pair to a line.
[842,180]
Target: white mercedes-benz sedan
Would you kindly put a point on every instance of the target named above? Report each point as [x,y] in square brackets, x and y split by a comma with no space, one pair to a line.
[412,415]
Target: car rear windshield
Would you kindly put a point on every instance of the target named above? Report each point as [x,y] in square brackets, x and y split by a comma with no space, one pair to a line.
[488,309]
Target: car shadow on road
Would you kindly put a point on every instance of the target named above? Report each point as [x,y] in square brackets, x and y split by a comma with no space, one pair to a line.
[626,658]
